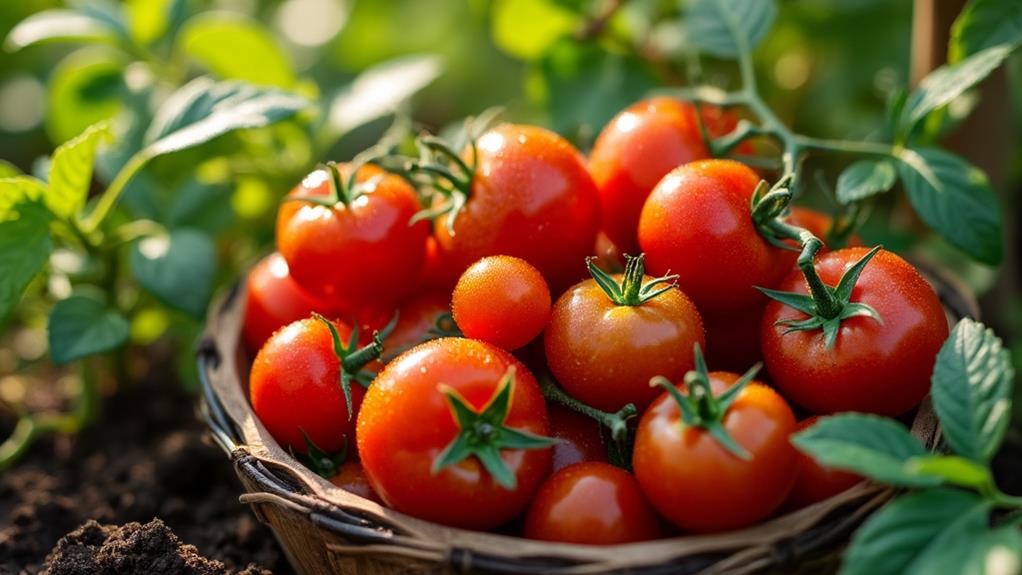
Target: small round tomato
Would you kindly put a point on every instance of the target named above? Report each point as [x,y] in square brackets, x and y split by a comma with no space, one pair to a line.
[578,437]
[697,482]
[272,300]
[428,416]
[359,249]
[872,366]
[698,224]
[501,300]
[814,483]
[417,315]
[352,478]
[604,347]
[530,197]
[591,504]
[295,386]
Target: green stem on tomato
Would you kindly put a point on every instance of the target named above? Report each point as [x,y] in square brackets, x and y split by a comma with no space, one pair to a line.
[616,423]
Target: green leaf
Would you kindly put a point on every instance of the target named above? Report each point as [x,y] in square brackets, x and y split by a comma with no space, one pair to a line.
[995,552]
[8,170]
[61,26]
[237,48]
[528,28]
[873,446]
[865,178]
[894,540]
[179,269]
[954,550]
[972,390]
[952,470]
[379,90]
[71,171]
[86,88]
[948,82]
[18,190]
[24,249]
[983,24]
[83,325]
[728,28]
[955,200]
[204,109]
[149,20]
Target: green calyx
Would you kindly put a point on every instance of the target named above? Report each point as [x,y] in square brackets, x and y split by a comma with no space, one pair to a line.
[700,408]
[354,358]
[322,463]
[632,290]
[619,446]
[827,306]
[483,433]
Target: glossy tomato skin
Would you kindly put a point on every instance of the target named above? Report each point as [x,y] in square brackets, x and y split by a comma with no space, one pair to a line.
[273,300]
[352,478]
[531,198]
[354,255]
[815,483]
[604,354]
[578,438]
[697,223]
[417,316]
[502,300]
[591,504]
[406,422]
[873,368]
[295,386]
[700,486]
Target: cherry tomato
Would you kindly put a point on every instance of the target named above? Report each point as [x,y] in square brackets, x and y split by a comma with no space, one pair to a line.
[694,481]
[295,387]
[531,197]
[416,317]
[697,223]
[591,504]
[814,483]
[365,253]
[501,300]
[352,478]
[882,368]
[273,300]
[406,423]
[578,437]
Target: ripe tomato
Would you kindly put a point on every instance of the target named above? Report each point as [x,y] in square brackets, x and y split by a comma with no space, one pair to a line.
[501,300]
[406,426]
[417,315]
[639,147]
[697,223]
[578,437]
[695,481]
[359,251]
[603,352]
[882,368]
[295,387]
[814,483]
[352,478]
[531,197]
[591,504]
[273,300]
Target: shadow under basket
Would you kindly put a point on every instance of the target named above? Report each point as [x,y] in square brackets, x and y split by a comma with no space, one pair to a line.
[326,530]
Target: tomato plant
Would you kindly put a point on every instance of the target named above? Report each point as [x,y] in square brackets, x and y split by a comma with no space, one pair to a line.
[501,300]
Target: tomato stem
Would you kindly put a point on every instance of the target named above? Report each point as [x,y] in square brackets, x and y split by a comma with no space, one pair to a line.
[616,423]
[632,290]
[352,358]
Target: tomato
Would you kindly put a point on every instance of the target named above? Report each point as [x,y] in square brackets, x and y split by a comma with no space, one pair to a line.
[438,273]
[530,197]
[273,300]
[814,483]
[591,504]
[417,316]
[882,368]
[603,352]
[408,425]
[501,300]
[355,252]
[295,387]
[578,437]
[697,223]
[700,485]
[732,342]
[639,147]
[351,477]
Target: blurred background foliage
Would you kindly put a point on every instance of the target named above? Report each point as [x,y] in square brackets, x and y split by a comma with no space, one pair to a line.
[826,68]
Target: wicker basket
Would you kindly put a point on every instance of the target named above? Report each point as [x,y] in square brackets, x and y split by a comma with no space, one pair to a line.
[325,530]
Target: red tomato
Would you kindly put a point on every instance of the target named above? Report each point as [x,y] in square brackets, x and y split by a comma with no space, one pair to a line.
[532,198]
[697,223]
[438,273]
[406,423]
[591,504]
[365,253]
[814,483]
[273,300]
[578,437]
[501,300]
[352,478]
[698,484]
[416,317]
[874,367]
[295,387]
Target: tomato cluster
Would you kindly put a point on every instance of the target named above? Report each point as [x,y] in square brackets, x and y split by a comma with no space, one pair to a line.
[537,351]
